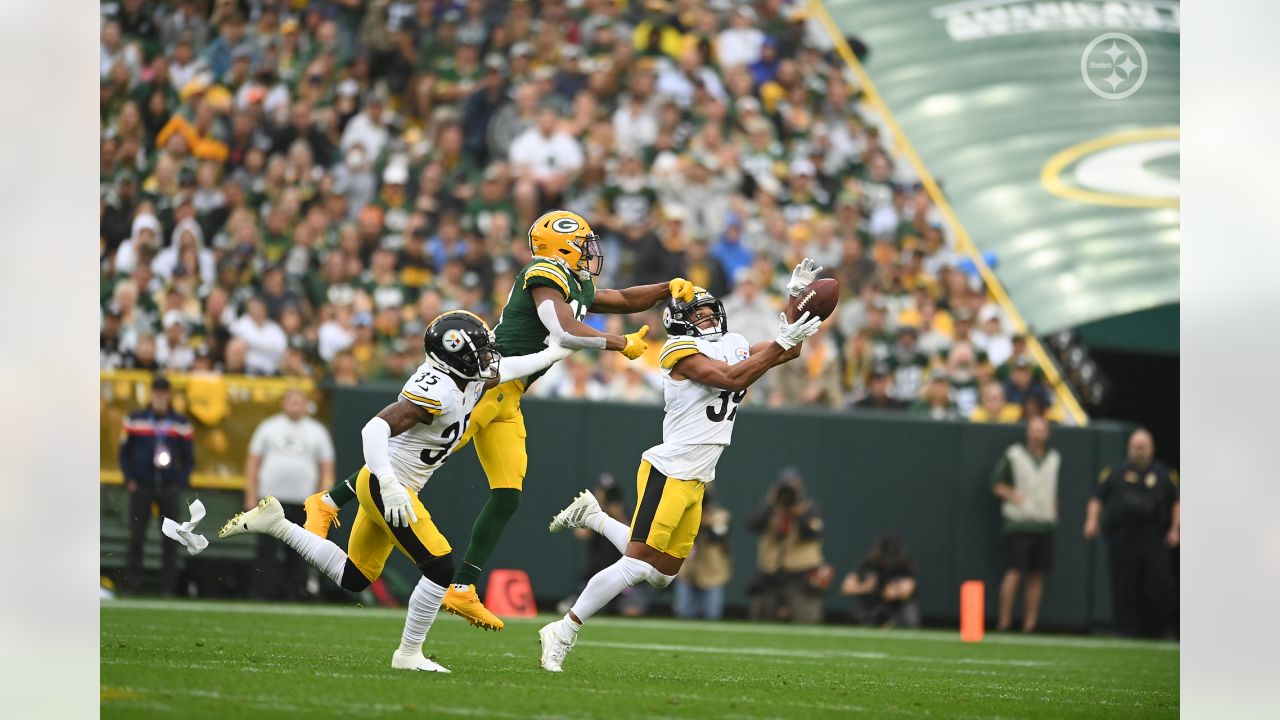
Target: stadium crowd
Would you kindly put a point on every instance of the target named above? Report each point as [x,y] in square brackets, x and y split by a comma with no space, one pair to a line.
[293,188]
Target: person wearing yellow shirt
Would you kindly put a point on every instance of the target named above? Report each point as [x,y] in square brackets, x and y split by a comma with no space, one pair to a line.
[992,407]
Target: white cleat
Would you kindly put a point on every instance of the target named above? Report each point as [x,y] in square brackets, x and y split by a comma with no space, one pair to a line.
[416,661]
[578,514]
[556,643]
[262,519]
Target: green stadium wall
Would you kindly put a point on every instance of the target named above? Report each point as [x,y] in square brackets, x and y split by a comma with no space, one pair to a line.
[869,473]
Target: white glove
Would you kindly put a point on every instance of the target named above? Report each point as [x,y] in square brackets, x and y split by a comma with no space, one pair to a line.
[397,507]
[805,273]
[792,334]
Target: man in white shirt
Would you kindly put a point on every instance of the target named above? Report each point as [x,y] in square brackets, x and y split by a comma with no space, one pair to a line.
[265,339]
[368,128]
[546,154]
[742,41]
[290,457]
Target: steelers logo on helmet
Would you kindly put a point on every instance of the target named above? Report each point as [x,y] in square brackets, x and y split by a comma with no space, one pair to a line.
[565,225]
[666,317]
[453,341]
[743,353]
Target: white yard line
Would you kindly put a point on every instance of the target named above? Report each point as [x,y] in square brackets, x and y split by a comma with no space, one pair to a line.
[682,626]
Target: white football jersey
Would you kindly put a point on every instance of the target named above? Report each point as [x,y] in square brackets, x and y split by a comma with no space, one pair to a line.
[699,419]
[417,452]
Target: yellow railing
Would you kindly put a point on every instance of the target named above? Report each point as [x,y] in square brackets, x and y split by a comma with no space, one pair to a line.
[1066,398]
[224,409]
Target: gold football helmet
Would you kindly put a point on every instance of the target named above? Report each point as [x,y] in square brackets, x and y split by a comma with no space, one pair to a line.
[566,236]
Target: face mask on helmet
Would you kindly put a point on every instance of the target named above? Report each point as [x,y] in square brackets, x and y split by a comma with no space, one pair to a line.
[686,318]
[592,254]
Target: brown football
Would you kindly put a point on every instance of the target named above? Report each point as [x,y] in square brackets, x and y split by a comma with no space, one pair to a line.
[818,299]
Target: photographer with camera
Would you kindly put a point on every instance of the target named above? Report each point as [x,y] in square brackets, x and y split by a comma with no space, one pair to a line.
[791,575]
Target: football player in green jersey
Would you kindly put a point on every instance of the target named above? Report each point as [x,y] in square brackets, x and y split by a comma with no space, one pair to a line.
[549,299]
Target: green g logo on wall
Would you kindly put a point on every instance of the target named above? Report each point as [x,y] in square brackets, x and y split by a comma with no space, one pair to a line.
[1137,168]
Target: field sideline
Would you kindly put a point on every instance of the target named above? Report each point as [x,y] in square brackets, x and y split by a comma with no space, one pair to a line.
[217,660]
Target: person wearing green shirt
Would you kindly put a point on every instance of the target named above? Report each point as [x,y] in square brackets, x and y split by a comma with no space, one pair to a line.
[1026,480]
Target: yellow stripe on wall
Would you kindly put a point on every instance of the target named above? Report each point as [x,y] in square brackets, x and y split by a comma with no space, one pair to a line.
[966,244]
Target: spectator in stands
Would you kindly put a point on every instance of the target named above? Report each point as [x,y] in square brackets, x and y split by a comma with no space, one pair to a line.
[1026,481]
[993,408]
[290,457]
[700,586]
[156,459]
[1137,505]
[936,403]
[265,340]
[754,317]
[814,379]
[880,392]
[884,586]
[791,574]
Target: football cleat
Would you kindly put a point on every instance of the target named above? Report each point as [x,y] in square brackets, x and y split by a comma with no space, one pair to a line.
[262,519]
[320,515]
[416,661]
[466,604]
[578,514]
[556,644]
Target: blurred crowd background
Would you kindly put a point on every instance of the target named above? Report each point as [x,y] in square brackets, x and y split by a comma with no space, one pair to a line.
[293,188]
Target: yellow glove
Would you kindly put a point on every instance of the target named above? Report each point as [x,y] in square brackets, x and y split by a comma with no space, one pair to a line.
[635,343]
[681,289]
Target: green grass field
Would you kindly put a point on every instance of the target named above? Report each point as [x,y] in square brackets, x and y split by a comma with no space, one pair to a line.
[238,660]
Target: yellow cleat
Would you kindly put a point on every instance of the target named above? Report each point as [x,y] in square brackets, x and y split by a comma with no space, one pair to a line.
[466,604]
[320,515]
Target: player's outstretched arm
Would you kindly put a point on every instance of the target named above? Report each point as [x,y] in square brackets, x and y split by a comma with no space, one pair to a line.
[641,297]
[562,327]
[518,366]
[721,375]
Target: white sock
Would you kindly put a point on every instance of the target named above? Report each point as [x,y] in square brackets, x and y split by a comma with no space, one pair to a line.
[606,584]
[569,625]
[329,501]
[424,603]
[325,556]
[614,531]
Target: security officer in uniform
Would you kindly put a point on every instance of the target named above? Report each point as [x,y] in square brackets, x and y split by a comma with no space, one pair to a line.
[156,458]
[1138,506]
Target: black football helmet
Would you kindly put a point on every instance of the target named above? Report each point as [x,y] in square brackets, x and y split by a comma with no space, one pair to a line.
[677,316]
[461,344]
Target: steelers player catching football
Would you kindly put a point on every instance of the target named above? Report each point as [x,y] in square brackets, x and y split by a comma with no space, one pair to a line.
[550,297]
[403,446]
[706,371]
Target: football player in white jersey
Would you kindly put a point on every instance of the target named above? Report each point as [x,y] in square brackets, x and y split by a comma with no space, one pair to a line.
[706,371]
[403,445]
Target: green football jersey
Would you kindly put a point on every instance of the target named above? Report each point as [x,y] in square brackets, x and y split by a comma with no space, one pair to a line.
[519,330]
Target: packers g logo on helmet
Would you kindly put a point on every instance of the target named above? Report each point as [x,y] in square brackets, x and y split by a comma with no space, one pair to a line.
[566,237]
[565,225]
